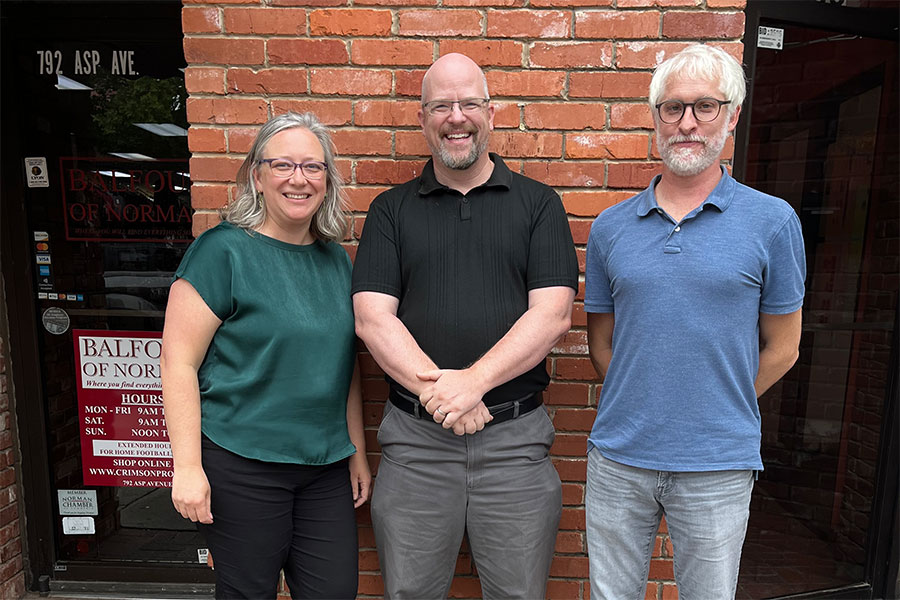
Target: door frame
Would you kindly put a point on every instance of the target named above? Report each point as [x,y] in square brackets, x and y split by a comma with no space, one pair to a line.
[883,539]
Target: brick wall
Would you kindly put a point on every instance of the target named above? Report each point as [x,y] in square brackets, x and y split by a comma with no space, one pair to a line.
[12,576]
[569,78]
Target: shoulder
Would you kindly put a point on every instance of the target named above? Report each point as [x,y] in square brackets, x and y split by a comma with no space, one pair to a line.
[761,208]
[220,239]
[395,196]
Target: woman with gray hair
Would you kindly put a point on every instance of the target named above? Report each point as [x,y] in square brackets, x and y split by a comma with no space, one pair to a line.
[260,382]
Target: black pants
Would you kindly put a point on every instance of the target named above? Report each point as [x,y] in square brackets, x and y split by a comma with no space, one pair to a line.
[269,516]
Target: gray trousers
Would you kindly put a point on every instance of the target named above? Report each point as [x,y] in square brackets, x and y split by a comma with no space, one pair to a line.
[497,485]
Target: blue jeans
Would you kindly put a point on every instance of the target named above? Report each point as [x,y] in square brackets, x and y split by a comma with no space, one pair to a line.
[706,513]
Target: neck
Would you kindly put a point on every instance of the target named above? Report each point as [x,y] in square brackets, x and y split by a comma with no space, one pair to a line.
[464,180]
[300,236]
[679,194]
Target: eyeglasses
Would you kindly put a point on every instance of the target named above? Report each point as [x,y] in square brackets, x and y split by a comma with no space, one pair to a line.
[441,108]
[283,168]
[704,109]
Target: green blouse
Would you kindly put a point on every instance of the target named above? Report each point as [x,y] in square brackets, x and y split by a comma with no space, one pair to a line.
[274,382]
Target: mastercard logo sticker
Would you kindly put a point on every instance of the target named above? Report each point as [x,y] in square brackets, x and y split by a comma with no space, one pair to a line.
[43,246]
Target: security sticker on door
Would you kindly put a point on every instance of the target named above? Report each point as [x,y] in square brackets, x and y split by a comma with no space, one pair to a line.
[770,37]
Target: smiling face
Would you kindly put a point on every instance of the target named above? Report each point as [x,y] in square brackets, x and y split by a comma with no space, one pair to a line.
[291,202]
[457,140]
[689,146]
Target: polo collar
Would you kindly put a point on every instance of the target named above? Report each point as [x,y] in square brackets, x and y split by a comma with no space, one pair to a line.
[501,176]
[720,197]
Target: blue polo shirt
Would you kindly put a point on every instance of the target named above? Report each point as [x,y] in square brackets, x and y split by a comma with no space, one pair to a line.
[687,296]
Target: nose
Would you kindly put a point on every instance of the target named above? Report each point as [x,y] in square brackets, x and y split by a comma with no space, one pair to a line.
[688,121]
[298,177]
[456,113]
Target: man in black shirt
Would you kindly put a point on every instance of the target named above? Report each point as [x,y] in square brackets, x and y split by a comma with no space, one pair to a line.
[463,282]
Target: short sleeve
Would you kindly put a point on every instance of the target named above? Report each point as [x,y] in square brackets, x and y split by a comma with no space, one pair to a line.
[207,266]
[597,292]
[785,271]
[551,254]
[377,264]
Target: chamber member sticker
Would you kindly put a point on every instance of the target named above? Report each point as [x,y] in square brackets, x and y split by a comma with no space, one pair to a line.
[36,172]
[77,502]
[78,525]
[124,441]
[55,320]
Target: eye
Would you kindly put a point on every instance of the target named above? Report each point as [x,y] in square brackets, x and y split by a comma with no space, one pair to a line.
[313,167]
[672,107]
[282,166]
[706,105]
[440,107]
[471,105]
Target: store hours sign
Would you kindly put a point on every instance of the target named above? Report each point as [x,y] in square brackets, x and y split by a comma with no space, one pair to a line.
[124,441]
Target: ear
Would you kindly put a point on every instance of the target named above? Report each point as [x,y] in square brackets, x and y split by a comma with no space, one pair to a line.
[256,178]
[421,115]
[491,116]
[733,120]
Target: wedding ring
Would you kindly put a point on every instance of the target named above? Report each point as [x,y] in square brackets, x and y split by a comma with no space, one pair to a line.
[443,414]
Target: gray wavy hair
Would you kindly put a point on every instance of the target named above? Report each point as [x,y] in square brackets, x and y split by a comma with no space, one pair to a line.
[330,222]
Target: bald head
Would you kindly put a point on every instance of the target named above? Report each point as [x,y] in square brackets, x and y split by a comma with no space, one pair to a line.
[452,71]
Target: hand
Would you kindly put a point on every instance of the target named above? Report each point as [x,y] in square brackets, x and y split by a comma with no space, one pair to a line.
[360,479]
[454,392]
[190,494]
[473,421]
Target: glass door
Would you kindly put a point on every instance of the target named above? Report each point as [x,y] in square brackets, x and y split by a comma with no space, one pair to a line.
[823,134]
[103,143]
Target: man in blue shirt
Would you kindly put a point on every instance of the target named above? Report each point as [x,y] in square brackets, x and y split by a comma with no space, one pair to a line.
[693,295]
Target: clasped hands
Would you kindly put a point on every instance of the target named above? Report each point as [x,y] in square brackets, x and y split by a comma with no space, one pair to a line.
[453,399]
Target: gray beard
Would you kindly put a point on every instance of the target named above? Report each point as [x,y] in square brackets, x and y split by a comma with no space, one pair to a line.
[464,162]
[687,164]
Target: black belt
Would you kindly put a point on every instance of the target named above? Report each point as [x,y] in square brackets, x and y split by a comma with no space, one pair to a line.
[505,411]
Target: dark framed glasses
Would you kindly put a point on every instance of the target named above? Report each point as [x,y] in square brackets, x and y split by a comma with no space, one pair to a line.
[284,168]
[704,109]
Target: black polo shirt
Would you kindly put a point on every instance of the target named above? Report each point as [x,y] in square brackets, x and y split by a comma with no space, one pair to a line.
[462,265]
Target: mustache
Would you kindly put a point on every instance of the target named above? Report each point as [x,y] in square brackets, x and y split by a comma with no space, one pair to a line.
[677,139]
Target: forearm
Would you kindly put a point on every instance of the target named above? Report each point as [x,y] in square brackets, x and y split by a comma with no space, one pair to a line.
[181,403]
[395,350]
[600,358]
[355,415]
[773,364]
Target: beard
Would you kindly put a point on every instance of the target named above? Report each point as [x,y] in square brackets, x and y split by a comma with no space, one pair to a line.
[686,162]
[460,163]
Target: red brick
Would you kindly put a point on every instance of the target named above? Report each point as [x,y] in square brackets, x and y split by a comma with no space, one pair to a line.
[410,143]
[201,221]
[242,111]
[219,168]
[222,1]
[568,3]
[569,445]
[487,53]
[350,22]
[657,547]
[540,24]
[465,587]
[571,115]
[204,19]
[572,494]
[330,112]
[573,342]
[656,3]
[651,592]
[663,526]
[645,55]
[267,81]
[569,566]
[570,394]
[206,139]
[209,196]
[391,52]
[355,142]
[661,569]
[609,85]
[386,112]
[630,115]
[526,144]
[360,198]
[567,419]
[562,590]
[571,55]
[440,22]
[741,4]
[224,51]
[575,368]
[617,24]
[506,115]
[669,592]
[307,52]
[265,21]
[408,83]
[348,82]
[526,83]
[370,584]
[566,174]
[569,542]
[591,204]
[394,2]
[389,172]
[240,139]
[571,469]
[684,24]
[607,145]
[631,175]
[198,80]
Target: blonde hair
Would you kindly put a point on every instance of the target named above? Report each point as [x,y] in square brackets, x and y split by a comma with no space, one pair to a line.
[330,222]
